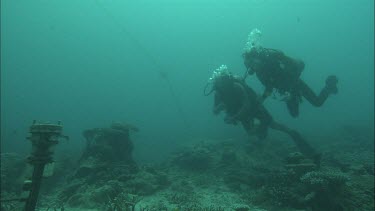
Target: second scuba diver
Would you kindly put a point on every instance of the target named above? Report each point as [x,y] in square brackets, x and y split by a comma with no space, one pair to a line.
[241,105]
[281,73]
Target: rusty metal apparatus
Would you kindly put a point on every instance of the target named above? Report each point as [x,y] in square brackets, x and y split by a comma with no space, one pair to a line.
[44,136]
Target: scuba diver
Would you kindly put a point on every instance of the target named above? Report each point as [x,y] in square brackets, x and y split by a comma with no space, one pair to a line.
[241,105]
[281,73]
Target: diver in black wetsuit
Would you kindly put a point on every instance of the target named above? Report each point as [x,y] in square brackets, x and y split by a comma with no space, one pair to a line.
[241,104]
[277,71]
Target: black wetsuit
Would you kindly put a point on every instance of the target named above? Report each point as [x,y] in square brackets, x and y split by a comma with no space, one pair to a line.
[235,97]
[282,73]
[240,98]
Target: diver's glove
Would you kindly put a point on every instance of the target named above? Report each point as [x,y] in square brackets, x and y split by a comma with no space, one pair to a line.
[331,84]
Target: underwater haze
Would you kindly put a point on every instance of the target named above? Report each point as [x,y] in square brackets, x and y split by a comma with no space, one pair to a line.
[91,62]
[127,79]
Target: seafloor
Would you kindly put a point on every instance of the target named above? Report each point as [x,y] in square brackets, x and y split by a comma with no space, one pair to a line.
[212,175]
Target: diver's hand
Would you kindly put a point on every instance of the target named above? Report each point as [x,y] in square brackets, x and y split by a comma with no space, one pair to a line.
[331,84]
